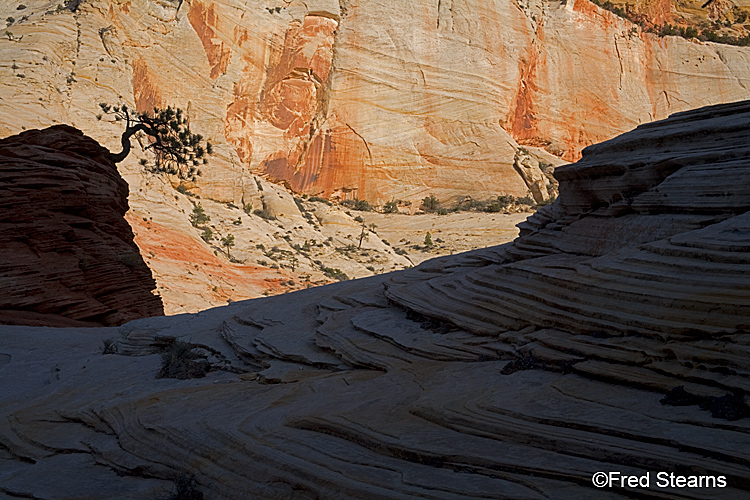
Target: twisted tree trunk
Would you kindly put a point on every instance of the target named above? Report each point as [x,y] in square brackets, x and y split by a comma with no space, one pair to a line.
[129,132]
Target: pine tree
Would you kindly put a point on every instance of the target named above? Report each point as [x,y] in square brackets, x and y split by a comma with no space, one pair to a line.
[178,151]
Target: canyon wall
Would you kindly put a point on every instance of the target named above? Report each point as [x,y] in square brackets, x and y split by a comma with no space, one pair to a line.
[372,99]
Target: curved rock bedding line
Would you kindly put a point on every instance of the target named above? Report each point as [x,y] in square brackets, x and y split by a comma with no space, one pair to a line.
[612,336]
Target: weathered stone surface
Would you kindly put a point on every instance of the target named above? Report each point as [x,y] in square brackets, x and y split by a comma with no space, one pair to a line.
[374,99]
[68,256]
[513,372]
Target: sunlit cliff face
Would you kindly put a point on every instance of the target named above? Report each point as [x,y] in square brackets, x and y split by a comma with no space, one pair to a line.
[369,99]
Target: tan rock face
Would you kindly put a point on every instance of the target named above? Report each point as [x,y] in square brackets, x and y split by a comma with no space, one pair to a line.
[377,100]
[68,255]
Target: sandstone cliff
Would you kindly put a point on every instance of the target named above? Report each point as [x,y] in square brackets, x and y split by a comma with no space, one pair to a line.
[68,256]
[611,336]
[373,99]
[378,100]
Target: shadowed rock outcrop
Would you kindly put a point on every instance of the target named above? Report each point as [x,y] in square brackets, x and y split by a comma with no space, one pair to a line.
[68,255]
[611,336]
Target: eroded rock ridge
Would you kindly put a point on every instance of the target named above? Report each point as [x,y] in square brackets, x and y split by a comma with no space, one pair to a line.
[68,256]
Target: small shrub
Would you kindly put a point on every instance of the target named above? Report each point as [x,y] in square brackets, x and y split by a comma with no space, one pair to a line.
[391,207]
[228,242]
[198,217]
[359,219]
[248,208]
[182,361]
[319,199]
[526,200]
[182,188]
[109,346]
[362,206]
[430,204]
[428,240]
[506,199]
[442,211]
[185,489]
[336,274]
[264,214]
[207,235]
[237,222]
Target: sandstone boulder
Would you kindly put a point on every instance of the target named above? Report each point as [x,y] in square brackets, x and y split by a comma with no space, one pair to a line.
[68,255]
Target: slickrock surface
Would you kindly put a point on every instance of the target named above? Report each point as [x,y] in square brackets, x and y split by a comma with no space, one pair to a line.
[68,257]
[513,372]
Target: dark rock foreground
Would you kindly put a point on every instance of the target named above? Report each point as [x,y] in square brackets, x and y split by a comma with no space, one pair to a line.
[612,336]
[68,256]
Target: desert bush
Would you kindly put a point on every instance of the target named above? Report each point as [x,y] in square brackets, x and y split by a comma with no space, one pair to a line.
[185,488]
[319,199]
[336,274]
[109,346]
[430,204]
[181,361]
[526,200]
[198,217]
[264,214]
[391,207]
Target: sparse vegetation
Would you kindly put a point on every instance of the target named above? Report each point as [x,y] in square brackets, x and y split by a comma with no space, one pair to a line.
[181,361]
[228,242]
[319,199]
[264,214]
[391,207]
[199,216]
[336,274]
[688,32]
[430,204]
[185,488]
[109,346]
[357,204]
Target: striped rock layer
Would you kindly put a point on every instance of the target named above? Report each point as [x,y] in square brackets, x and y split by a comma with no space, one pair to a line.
[373,99]
[514,372]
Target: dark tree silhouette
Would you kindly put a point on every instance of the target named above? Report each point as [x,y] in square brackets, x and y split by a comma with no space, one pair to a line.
[178,151]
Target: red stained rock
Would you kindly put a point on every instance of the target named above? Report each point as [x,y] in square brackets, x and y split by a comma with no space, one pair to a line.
[68,256]
[204,20]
